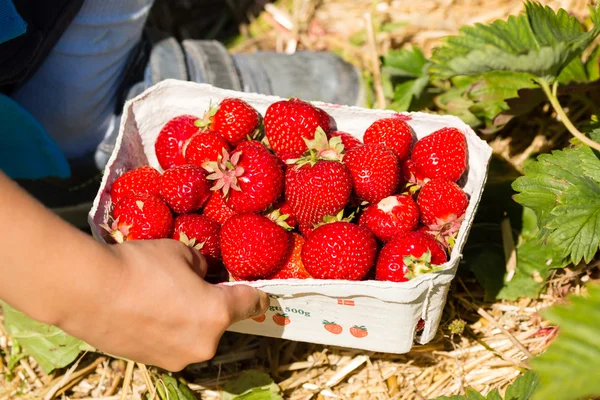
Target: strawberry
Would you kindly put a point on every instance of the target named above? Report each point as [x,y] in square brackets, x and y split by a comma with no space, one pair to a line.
[172,138]
[339,250]
[413,178]
[281,319]
[442,154]
[332,327]
[199,232]
[375,171]
[442,204]
[216,209]
[359,331]
[288,122]
[234,119]
[139,180]
[393,133]
[140,216]
[407,256]
[285,209]
[184,188]
[391,216]
[293,268]
[348,140]
[318,184]
[254,247]
[205,147]
[251,179]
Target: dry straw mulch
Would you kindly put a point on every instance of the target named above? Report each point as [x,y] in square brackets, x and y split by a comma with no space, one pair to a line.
[480,345]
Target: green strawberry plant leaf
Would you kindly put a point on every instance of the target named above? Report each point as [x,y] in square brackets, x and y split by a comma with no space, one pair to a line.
[407,77]
[539,42]
[565,200]
[523,388]
[252,385]
[169,388]
[570,367]
[51,347]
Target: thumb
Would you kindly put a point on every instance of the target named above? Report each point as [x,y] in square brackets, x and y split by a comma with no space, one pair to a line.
[243,301]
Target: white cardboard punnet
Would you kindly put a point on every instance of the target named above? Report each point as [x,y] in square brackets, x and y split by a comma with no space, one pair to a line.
[373,315]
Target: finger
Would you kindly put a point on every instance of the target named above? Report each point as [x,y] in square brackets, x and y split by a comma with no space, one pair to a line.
[243,301]
[197,262]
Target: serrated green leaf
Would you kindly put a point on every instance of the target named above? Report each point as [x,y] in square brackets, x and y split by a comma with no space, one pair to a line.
[573,72]
[592,65]
[539,41]
[521,389]
[570,368]
[407,91]
[252,385]
[51,347]
[169,388]
[455,102]
[407,62]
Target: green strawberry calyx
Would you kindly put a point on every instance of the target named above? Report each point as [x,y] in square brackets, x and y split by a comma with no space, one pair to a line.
[325,322]
[279,218]
[225,172]
[190,242]
[339,217]
[320,148]
[418,266]
[361,327]
[446,230]
[206,120]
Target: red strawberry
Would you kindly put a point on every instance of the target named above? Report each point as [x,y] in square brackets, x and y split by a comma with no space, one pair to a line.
[326,121]
[359,331]
[216,209]
[293,269]
[254,247]
[287,122]
[339,250]
[172,138]
[332,327]
[348,140]
[139,217]
[375,171]
[411,176]
[234,119]
[200,232]
[317,186]
[251,180]
[184,188]
[391,216]
[442,154]
[393,133]
[285,209]
[140,180]
[443,204]
[281,319]
[407,256]
[204,147]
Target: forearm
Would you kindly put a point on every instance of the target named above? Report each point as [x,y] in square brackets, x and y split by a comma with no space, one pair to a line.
[49,269]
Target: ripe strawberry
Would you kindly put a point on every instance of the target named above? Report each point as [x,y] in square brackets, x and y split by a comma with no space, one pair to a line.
[414,179]
[139,180]
[216,209]
[407,256]
[205,147]
[287,122]
[281,319]
[442,154]
[375,171]
[348,140]
[393,133]
[234,119]
[443,204]
[200,232]
[359,331]
[293,268]
[391,216]
[251,180]
[254,247]
[172,138]
[184,188]
[285,209]
[332,327]
[140,216]
[339,250]
[318,184]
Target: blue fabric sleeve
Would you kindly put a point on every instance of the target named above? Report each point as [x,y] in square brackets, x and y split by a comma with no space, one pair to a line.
[26,149]
[11,23]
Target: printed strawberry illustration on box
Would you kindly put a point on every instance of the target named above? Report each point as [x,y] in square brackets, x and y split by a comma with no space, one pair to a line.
[281,319]
[332,327]
[359,331]
[260,318]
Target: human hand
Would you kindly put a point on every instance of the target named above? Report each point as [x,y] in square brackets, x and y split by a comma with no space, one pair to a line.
[161,311]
